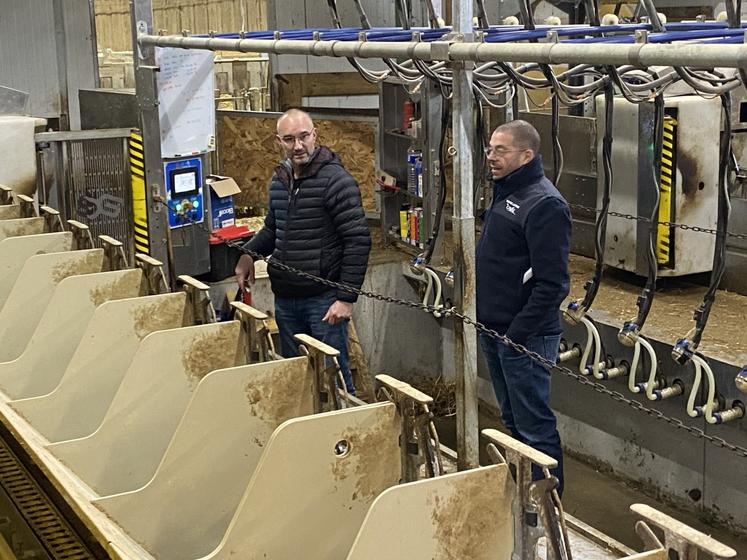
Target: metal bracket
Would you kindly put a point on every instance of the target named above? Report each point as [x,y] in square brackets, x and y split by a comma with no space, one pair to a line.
[114,255]
[154,276]
[259,346]
[533,510]
[52,219]
[684,540]
[6,195]
[440,49]
[198,300]
[28,210]
[82,238]
[142,29]
[324,377]
[419,443]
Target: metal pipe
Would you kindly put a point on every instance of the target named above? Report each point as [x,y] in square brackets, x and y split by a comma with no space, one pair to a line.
[642,55]
[571,354]
[468,445]
[617,371]
[357,49]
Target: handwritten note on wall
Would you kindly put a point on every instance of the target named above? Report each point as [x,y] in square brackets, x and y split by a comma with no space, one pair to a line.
[186,107]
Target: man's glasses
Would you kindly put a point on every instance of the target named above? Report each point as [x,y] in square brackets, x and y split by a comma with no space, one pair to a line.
[290,140]
[499,152]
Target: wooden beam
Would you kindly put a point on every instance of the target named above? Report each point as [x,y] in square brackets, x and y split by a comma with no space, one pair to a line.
[292,88]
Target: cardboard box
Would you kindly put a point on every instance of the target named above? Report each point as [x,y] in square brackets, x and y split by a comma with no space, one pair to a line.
[222,190]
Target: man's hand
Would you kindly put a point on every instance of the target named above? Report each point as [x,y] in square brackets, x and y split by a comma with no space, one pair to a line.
[244,271]
[339,311]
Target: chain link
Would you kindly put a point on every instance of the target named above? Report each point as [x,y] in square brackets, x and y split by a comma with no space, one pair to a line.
[648,220]
[452,312]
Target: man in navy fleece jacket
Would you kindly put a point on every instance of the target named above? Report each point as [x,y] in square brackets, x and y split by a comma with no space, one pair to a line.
[522,278]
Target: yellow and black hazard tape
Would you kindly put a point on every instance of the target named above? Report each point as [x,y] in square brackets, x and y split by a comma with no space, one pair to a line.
[668,165]
[139,195]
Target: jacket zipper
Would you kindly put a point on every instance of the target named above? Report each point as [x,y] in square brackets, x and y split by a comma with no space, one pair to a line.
[292,192]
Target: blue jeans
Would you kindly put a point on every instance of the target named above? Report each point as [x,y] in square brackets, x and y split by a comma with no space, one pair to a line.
[522,387]
[303,315]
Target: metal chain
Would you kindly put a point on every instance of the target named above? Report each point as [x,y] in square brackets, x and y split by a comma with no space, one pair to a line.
[648,220]
[452,312]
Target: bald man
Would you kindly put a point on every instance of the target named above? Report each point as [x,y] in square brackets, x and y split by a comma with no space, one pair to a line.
[316,224]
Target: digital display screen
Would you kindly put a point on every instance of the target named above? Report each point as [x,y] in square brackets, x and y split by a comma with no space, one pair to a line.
[185,182]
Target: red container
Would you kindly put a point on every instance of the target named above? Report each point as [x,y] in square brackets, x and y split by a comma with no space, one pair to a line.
[223,258]
[408,113]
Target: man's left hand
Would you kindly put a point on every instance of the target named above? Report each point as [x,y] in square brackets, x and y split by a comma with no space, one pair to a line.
[339,311]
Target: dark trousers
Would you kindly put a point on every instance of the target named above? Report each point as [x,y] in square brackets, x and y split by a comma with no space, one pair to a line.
[522,388]
[303,315]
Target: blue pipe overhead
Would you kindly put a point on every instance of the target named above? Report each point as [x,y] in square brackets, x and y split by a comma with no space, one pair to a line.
[707,32]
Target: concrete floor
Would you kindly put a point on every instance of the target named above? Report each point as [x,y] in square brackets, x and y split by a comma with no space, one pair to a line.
[602,500]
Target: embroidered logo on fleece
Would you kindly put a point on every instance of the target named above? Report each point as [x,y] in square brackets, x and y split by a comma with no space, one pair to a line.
[512,207]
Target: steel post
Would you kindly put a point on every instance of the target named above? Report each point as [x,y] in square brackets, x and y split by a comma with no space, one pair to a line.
[144,59]
[468,447]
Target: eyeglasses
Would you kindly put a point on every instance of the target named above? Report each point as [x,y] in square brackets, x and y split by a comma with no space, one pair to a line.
[290,140]
[499,152]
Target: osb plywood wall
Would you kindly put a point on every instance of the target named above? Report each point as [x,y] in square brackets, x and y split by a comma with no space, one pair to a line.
[249,154]
[198,16]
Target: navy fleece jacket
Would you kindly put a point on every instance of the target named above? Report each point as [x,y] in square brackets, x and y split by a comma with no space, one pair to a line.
[522,255]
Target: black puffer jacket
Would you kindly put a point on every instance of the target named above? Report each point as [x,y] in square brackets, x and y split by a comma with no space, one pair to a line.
[316,224]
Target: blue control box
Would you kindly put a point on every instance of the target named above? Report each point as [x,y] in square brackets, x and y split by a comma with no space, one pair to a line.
[184,192]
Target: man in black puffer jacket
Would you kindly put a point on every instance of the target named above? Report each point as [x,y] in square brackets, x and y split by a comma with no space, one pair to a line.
[316,224]
[522,277]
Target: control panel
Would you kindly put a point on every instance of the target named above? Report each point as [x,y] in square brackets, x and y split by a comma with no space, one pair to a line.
[185,192]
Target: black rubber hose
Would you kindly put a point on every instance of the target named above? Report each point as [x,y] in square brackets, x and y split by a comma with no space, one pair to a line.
[332,5]
[592,12]
[482,16]
[557,153]
[365,23]
[481,162]
[404,15]
[431,243]
[724,211]
[653,15]
[600,233]
[731,14]
[526,14]
[432,15]
[646,298]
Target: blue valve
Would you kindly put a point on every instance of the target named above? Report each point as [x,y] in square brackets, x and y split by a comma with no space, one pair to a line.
[418,264]
[449,279]
[741,380]
[628,334]
[681,353]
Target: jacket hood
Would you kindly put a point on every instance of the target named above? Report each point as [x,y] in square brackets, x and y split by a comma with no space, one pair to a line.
[319,158]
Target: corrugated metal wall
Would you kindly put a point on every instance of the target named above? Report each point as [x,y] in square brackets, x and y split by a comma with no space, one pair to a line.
[28,60]
[199,16]
[32,52]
